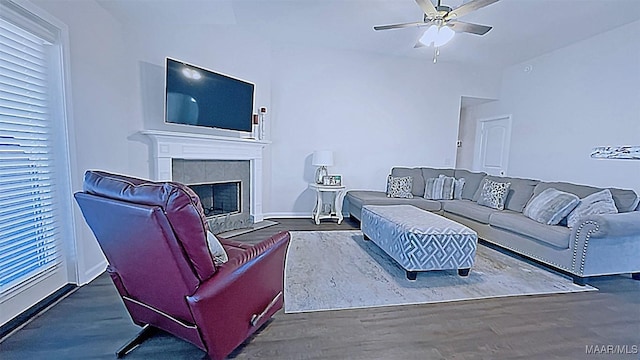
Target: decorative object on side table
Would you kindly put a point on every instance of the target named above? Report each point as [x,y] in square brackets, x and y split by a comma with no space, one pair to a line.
[322,158]
[333,210]
[332,180]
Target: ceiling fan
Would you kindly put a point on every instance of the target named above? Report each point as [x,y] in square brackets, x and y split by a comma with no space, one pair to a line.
[443,23]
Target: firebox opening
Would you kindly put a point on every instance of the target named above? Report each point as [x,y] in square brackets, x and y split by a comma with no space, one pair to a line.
[219,198]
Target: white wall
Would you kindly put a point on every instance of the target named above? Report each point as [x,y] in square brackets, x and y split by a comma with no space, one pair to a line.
[365,107]
[373,111]
[225,49]
[572,100]
[101,119]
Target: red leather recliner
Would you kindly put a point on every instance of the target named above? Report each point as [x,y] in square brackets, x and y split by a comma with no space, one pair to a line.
[153,235]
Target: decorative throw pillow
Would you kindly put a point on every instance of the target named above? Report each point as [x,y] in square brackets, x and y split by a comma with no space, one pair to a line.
[493,194]
[550,206]
[443,188]
[458,185]
[594,204]
[399,187]
[440,188]
[216,249]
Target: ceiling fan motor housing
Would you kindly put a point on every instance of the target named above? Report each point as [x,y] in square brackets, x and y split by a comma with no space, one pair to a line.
[443,10]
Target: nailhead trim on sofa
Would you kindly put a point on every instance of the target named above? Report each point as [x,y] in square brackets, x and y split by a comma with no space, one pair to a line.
[586,244]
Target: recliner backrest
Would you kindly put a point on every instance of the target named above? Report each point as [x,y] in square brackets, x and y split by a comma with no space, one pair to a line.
[180,204]
[144,256]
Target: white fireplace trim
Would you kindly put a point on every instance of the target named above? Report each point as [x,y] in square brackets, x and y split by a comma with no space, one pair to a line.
[168,145]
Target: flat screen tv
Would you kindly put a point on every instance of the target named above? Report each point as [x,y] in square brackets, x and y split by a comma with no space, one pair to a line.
[200,97]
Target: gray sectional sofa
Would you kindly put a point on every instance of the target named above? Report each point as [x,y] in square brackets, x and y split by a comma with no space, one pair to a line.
[598,245]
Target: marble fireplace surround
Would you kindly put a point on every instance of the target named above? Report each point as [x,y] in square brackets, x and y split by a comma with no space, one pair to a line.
[199,172]
[169,145]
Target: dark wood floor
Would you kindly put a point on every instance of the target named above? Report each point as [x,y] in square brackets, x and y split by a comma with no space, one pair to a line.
[91,323]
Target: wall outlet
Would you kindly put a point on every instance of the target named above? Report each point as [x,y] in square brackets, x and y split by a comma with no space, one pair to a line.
[459,143]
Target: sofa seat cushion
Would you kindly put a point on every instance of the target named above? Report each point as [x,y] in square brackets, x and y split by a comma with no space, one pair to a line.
[368,197]
[557,236]
[468,209]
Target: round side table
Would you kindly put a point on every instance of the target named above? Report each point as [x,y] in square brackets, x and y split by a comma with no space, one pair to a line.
[335,212]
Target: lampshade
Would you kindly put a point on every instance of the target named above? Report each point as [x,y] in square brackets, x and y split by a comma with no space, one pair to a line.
[438,35]
[322,158]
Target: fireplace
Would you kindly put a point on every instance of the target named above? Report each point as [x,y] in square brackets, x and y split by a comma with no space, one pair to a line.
[195,159]
[219,185]
[219,198]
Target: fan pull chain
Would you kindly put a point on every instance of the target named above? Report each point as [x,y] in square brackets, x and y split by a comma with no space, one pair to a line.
[436,52]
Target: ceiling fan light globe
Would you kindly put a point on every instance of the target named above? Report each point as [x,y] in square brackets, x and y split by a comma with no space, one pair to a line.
[429,36]
[444,35]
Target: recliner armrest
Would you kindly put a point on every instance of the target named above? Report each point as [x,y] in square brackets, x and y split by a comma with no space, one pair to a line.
[224,304]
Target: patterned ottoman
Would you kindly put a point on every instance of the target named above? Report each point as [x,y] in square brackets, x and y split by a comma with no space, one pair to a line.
[419,240]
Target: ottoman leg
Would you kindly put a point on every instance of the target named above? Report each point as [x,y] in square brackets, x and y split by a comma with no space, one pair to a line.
[463,272]
[411,275]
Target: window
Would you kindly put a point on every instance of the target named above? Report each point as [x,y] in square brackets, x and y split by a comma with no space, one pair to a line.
[33,165]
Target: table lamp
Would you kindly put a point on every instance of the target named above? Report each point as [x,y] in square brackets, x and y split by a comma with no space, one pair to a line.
[322,158]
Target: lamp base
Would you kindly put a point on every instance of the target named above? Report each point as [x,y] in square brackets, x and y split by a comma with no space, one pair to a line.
[320,174]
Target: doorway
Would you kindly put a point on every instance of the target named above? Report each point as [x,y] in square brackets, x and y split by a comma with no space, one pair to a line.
[493,141]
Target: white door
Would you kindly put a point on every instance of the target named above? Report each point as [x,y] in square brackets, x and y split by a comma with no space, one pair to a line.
[493,137]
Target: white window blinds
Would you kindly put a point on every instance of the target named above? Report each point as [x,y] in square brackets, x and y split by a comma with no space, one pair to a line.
[29,227]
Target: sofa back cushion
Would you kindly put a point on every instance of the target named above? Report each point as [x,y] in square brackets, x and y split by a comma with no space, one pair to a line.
[434,173]
[626,200]
[418,184]
[472,182]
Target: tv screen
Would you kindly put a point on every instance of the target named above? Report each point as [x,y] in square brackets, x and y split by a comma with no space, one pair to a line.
[200,97]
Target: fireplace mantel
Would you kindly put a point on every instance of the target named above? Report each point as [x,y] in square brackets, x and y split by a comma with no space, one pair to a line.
[168,145]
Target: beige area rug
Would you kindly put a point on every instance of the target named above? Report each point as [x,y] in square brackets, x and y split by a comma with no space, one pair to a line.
[333,270]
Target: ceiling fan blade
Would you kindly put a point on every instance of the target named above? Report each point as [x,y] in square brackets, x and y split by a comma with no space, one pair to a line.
[461,26]
[467,8]
[400,26]
[428,8]
[418,45]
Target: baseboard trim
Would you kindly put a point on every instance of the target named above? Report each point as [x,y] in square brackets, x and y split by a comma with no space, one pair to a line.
[293,215]
[283,215]
[93,273]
